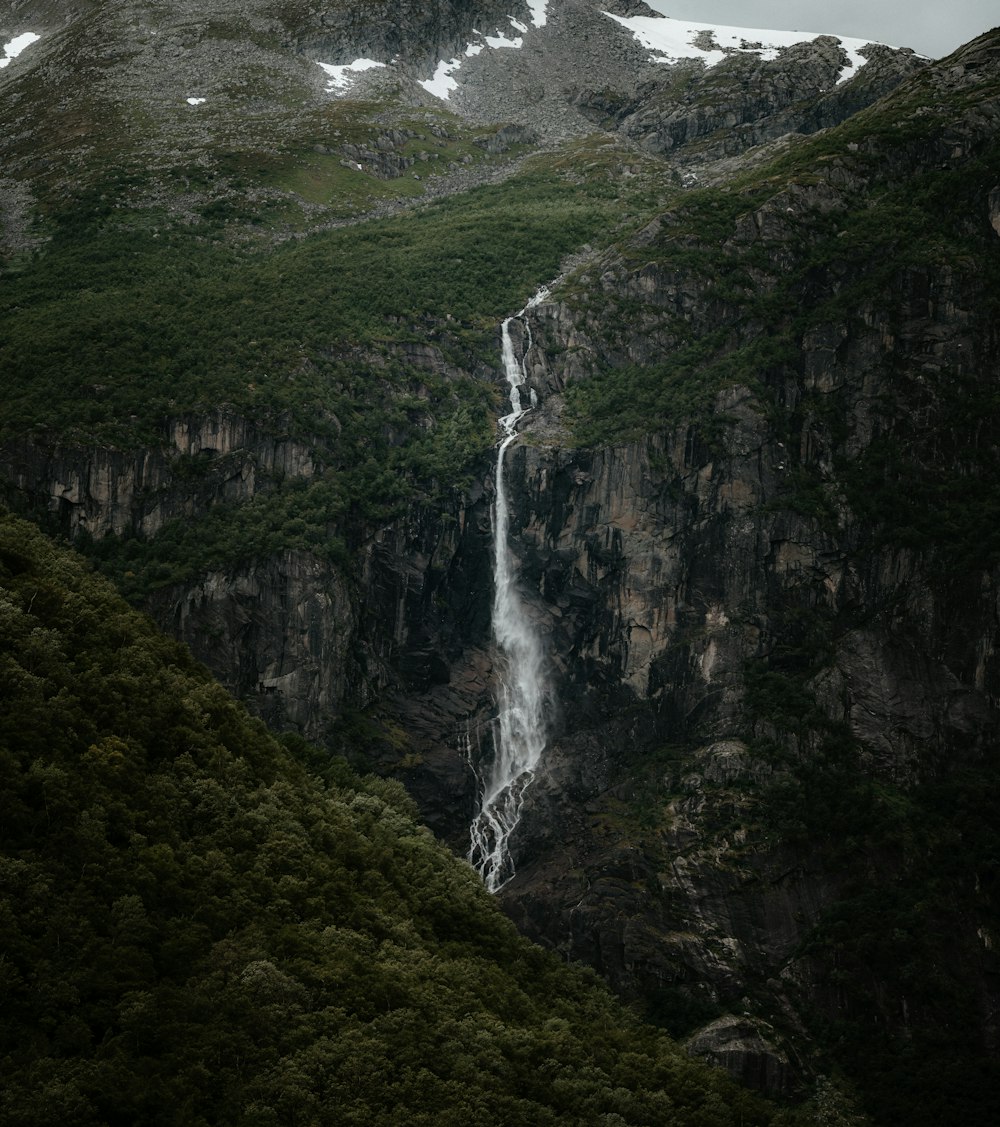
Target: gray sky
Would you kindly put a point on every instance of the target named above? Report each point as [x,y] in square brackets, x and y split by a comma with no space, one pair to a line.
[932,27]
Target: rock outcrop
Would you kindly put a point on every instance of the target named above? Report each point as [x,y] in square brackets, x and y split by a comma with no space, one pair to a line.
[746,101]
[415,31]
[201,461]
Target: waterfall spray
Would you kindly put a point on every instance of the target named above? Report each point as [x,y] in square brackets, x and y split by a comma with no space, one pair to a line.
[519,731]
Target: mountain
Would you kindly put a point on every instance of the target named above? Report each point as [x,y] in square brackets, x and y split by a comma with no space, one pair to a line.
[251,313]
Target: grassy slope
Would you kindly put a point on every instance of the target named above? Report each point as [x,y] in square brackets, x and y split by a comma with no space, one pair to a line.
[164,321]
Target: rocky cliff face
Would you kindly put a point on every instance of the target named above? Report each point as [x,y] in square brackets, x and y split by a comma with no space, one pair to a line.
[772,627]
[745,101]
[298,637]
[647,850]
[100,491]
[745,617]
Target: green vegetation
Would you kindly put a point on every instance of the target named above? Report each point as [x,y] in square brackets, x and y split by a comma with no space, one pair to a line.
[624,403]
[299,516]
[197,929]
[366,344]
[115,328]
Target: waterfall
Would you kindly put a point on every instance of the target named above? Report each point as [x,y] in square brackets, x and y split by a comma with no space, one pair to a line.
[519,731]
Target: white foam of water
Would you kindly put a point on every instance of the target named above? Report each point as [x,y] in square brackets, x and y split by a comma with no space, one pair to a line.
[520,729]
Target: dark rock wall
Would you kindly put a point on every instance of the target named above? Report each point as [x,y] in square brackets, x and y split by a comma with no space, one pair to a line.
[689,582]
[200,461]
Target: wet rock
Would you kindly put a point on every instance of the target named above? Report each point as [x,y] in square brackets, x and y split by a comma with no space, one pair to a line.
[747,1050]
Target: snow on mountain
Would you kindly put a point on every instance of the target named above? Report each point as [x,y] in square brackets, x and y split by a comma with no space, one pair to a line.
[16,46]
[342,77]
[442,83]
[666,40]
[539,12]
[670,40]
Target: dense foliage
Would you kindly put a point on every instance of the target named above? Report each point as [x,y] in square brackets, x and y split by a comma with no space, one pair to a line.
[122,322]
[196,929]
[372,345]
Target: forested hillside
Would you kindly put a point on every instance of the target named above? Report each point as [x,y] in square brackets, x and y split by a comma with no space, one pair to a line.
[198,928]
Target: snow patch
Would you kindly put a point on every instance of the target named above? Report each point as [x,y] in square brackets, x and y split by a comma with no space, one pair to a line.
[195,101]
[343,77]
[539,12]
[442,83]
[500,40]
[670,40]
[857,60]
[16,46]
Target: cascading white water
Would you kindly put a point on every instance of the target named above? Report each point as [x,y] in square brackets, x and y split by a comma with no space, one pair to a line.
[520,726]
